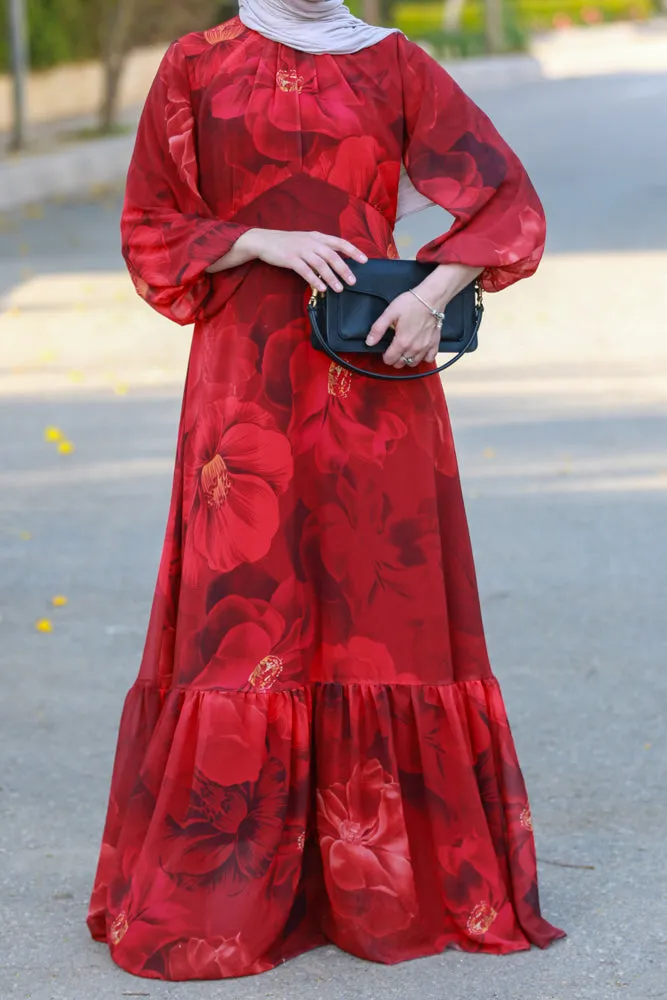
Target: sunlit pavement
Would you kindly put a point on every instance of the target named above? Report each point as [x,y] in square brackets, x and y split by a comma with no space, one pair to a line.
[561,425]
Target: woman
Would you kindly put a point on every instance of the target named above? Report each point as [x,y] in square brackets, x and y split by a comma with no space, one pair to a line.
[316,749]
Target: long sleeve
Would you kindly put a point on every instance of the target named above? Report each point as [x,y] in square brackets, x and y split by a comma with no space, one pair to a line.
[169,235]
[455,157]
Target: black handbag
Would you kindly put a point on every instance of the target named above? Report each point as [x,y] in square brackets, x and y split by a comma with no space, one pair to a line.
[340,321]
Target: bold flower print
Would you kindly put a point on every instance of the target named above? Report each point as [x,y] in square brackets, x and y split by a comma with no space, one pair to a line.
[232,734]
[348,165]
[236,466]
[480,919]
[252,644]
[526,819]
[289,81]
[340,381]
[266,673]
[339,418]
[286,871]
[216,958]
[395,552]
[119,928]
[223,366]
[225,32]
[230,833]
[361,660]
[365,852]
[180,126]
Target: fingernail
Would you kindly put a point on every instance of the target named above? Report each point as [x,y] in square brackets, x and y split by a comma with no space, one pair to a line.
[351,279]
[363,258]
[338,286]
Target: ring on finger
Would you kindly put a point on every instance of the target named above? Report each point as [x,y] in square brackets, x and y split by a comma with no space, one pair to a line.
[408,360]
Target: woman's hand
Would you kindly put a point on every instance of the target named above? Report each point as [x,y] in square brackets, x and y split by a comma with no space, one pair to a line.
[416,336]
[417,333]
[316,257]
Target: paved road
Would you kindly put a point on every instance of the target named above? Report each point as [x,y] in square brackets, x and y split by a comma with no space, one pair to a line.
[561,426]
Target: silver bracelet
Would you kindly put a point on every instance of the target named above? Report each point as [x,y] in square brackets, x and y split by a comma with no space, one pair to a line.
[439,316]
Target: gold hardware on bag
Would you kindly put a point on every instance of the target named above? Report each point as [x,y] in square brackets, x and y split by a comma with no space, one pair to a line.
[315,294]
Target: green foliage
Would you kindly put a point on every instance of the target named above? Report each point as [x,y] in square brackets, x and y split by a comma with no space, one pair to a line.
[424,20]
[62,31]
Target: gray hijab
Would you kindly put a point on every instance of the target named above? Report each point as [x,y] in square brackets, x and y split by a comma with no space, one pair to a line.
[315,26]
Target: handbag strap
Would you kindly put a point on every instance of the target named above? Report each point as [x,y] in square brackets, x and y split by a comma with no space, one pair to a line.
[312,312]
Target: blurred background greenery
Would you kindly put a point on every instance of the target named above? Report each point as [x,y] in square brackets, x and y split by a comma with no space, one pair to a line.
[63,31]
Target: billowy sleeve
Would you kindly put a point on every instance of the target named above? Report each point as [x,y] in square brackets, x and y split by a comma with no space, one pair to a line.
[455,157]
[169,236]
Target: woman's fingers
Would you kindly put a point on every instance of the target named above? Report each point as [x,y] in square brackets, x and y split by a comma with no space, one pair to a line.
[380,327]
[322,267]
[335,264]
[342,246]
[306,272]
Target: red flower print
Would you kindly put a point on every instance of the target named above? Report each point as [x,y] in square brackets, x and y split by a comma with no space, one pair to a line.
[356,165]
[395,550]
[360,660]
[253,644]
[365,852]
[119,928]
[222,366]
[225,32]
[230,833]
[288,865]
[149,899]
[232,732]
[336,416]
[480,918]
[215,958]
[236,468]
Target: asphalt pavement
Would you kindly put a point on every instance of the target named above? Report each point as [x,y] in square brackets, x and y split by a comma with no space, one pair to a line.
[561,426]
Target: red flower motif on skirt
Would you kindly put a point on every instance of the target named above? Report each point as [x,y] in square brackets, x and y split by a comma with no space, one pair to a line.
[365,852]
[338,418]
[253,644]
[361,660]
[230,833]
[396,553]
[236,465]
[214,959]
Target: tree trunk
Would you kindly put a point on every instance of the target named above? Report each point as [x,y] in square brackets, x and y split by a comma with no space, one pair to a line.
[19,49]
[451,14]
[370,11]
[115,43]
[493,25]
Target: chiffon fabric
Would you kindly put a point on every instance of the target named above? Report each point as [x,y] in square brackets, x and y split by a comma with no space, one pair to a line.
[316,749]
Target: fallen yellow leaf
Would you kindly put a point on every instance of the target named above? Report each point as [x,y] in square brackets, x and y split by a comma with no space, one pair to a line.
[46,356]
[25,536]
[75,376]
[53,434]
[121,389]
[44,625]
[59,601]
[489,453]
[65,447]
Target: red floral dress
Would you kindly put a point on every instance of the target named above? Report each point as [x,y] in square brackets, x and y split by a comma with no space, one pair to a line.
[316,749]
